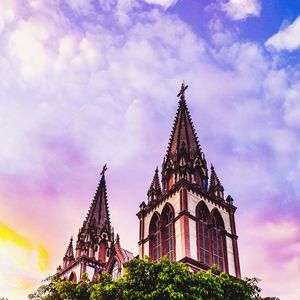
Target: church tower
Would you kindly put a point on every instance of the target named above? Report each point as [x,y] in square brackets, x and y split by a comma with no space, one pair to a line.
[97,249]
[188,219]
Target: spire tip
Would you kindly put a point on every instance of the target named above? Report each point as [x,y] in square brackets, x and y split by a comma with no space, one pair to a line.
[104,169]
[181,93]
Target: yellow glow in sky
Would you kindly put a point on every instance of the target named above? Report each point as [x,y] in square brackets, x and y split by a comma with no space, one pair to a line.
[22,262]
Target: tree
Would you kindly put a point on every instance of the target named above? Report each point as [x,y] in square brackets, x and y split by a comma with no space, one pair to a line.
[144,279]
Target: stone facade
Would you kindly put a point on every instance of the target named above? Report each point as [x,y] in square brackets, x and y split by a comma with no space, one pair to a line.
[188,219]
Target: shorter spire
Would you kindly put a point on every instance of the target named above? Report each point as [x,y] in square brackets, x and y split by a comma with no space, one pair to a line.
[154,193]
[98,211]
[215,187]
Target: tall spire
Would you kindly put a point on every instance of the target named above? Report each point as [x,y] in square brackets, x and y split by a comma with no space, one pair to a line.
[215,187]
[184,153]
[154,192]
[98,214]
[183,134]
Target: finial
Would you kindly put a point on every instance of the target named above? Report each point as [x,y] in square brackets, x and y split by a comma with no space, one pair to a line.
[103,170]
[181,93]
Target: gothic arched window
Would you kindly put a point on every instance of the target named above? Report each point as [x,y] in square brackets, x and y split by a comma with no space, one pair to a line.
[155,242]
[203,234]
[168,232]
[218,241]
[72,277]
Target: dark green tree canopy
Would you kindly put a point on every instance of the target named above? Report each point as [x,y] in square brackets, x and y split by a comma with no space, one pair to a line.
[144,279]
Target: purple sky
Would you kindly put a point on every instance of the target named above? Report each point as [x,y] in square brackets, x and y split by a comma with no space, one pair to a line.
[85,83]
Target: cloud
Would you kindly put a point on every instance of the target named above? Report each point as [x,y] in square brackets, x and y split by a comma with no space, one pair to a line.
[275,243]
[241,9]
[163,3]
[7,13]
[77,91]
[287,38]
[83,7]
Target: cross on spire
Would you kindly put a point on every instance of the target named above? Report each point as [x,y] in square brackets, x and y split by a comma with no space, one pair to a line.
[181,93]
[103,170]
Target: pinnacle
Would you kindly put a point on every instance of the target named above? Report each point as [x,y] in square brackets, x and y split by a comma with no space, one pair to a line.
[215,183]
[70,252]
[154,191]
[117,238]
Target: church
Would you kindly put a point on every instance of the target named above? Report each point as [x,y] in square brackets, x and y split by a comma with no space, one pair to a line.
[186,216]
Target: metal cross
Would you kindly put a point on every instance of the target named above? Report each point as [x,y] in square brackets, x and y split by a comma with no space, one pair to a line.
[103,170]
[181,93]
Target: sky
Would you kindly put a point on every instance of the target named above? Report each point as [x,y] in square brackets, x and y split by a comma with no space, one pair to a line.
[89,82]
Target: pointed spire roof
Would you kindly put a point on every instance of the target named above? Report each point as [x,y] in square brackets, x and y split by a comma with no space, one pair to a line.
[154,191]
[215,186]
[183,134]
[98,213]
[70,251]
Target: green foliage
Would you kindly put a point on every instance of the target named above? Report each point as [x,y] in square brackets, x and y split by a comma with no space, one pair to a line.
[153,281]
[47,291]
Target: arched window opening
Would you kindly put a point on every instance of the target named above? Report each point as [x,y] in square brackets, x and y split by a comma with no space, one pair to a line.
[203,235]
[168,232]
[218,241]
[155,243]
[72,277]
[115,269]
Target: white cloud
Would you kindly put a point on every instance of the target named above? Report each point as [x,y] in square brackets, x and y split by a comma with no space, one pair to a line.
[219,34]
[163,3]
[241,9]
[275,85]
[292,105]
[7,12]
[287,38]
[82,7]
[27,44]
